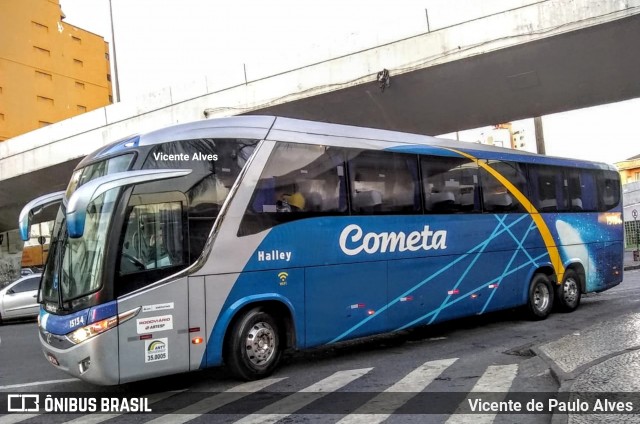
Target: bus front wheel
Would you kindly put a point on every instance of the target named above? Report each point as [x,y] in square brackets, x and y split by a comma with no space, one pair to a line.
[568,293]
[253,348]
[541,296]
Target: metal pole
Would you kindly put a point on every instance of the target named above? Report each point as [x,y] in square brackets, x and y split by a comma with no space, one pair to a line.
[115,59]
[537,122]
[637,235]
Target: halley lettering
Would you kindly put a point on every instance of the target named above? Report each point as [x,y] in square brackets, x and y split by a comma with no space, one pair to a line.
[353,242]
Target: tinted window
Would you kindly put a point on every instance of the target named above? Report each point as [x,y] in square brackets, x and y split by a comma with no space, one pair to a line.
[298,181]
[548,189]
[581,190]
[608,189]
[215,165]
[496,196]
[450,185]
[383,182]
[29,284]
[97,170]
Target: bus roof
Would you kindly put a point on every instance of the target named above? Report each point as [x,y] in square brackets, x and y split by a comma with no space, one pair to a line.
[313,132]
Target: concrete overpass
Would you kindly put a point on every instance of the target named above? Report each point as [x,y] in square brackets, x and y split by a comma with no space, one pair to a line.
[540,58]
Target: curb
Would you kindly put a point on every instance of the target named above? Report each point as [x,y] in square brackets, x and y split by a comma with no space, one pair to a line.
[566,380]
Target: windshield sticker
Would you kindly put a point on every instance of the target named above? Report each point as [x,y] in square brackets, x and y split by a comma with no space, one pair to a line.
[154,324]
[156,350]
[158,307]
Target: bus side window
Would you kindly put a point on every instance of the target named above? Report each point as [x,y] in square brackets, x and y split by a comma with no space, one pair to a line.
[298,181]
[608,190]
[496,197]
[581,190]
[450,185]
[383,182]
[548,190]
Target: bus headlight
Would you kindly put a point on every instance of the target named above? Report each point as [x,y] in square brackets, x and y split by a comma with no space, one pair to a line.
[92,330]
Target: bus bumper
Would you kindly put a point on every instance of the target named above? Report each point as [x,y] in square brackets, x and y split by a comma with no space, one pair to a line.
[94,360]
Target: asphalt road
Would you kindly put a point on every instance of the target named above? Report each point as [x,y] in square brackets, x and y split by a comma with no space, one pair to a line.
[488,353]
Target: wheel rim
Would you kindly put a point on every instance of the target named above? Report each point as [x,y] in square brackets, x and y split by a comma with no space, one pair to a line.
[541,297]
[260,344]
[570,290]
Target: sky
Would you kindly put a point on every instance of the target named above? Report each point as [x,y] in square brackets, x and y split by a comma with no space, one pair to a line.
[165,42]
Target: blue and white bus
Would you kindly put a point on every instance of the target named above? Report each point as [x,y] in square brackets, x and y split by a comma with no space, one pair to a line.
[228,241]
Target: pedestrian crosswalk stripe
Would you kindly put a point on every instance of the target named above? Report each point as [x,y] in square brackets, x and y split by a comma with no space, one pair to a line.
[497,378]
[285,407]
[233,394]
[16,418]
[405,389]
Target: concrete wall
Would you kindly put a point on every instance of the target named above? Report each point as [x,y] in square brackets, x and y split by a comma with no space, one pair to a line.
[10,256]
[631,198]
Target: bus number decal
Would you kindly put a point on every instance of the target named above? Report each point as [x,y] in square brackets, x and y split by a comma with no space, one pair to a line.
[156,350]
[76,321]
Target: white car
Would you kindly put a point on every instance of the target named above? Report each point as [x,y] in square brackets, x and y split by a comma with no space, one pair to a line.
[20,298]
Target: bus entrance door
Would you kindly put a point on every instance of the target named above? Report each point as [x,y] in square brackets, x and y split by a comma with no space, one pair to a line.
[156,342]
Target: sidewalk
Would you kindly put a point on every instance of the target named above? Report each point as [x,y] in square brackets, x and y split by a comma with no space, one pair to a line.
[629,263]
[605,359]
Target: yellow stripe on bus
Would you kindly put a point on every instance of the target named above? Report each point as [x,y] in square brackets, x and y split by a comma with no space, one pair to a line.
[549,242]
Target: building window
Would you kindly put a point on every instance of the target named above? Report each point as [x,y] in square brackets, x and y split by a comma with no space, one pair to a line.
[39,26]
[42,51]
[1,116]
[80,85]
[106,56]
[46,100]
[82,109]
[637,173]
[43,123]
[76,39]
[44,75]
[78,62]
[108,77]
[110,98]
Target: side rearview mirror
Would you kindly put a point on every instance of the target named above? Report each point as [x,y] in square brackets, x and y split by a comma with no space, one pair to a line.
[33,208]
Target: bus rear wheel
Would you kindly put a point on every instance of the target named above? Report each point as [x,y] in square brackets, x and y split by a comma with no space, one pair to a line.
[568,293]
[541,296]
[253,348]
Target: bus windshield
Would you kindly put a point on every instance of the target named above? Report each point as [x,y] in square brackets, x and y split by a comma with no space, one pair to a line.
[74,266]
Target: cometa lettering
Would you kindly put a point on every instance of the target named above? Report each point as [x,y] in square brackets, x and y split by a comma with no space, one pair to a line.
[353,241]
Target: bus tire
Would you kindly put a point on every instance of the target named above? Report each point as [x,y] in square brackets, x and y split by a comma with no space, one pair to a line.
[253,348]
[541,296]
[568,293]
